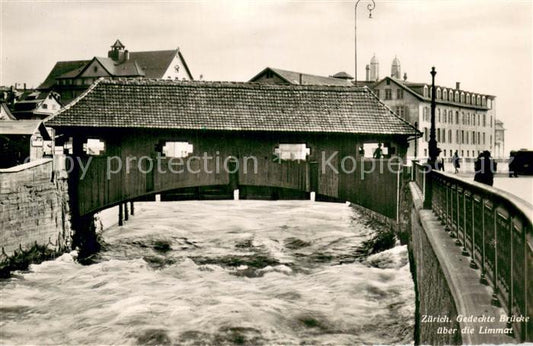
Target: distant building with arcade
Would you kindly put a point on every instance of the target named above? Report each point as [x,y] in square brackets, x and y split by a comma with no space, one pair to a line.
[465,120]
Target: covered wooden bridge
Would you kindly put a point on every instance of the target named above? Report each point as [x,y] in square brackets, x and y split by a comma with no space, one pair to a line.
[134,138]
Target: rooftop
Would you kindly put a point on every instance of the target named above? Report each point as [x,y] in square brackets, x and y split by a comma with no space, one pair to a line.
[230,107]
[298,78]
[23,127]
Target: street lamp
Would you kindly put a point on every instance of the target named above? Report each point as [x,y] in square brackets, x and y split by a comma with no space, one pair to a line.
[432,144]
[370,7]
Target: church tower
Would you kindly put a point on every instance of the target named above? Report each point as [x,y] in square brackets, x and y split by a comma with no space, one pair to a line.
[396,70]
[374,68]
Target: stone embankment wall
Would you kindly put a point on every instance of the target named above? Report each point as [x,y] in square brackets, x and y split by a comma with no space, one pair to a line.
[34,208]
[436,307]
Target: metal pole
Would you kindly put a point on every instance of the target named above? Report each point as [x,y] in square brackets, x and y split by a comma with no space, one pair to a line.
[432,144]
[370,7]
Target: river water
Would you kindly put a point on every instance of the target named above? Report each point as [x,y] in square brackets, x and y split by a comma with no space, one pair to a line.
[219,272]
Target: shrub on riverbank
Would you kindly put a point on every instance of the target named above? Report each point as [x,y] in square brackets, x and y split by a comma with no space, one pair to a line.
[22,259]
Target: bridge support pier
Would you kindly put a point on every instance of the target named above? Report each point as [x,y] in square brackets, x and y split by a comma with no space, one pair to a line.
[126,216]
[84,237]
[132,210]
[120,216]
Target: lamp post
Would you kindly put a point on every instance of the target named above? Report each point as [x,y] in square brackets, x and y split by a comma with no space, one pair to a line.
[432,144]
[370,7]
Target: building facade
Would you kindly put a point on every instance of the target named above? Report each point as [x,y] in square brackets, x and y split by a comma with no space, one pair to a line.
[71,78]
[499,140]
[465,121]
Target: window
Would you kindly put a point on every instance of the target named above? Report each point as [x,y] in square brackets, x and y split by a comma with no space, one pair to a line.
[292,152]
[438,115]
[478,138]
[451,152]
[388,94]
[45,106]
[370,150]
[456,96]
[462,136]
[425,91]
[467,137]
[484,119]
[445,94]
[449,136]
[438,135]
[473,137]
[426,134]
[457,117]
[269,74]
[425,152]
[177,149]
[438,93]
[388,81]
[462,97]
[399,94]
[483,138]
[400,111]
[457,137]
[468,98]
[94,147]
[95,69]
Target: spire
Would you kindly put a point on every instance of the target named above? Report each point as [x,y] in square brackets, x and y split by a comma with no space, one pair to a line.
[374,68]
[118,45]
[396,70]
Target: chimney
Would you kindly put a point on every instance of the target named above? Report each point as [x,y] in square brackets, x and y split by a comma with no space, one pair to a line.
[126,55]
[457,85]
[405,77]
[367,73]
[24,86]
[301,78]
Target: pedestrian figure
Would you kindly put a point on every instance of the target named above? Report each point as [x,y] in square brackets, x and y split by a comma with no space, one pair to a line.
[485,167]
[378,152]
[441,164]
[455,161]
[512,166]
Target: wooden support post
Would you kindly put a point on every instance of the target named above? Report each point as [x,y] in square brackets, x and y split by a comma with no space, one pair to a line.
[126,216]
[132,210]
[120,217]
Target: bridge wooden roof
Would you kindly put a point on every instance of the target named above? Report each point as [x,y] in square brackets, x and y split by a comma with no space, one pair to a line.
[231,107]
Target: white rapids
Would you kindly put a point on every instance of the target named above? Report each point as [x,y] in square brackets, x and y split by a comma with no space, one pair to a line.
[219,272]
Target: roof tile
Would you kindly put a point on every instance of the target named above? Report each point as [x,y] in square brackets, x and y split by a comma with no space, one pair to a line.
[231,106]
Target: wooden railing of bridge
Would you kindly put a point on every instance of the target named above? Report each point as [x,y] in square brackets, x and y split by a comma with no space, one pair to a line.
[495,230]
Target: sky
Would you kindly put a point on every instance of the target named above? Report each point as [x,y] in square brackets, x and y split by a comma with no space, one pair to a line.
[486,45]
